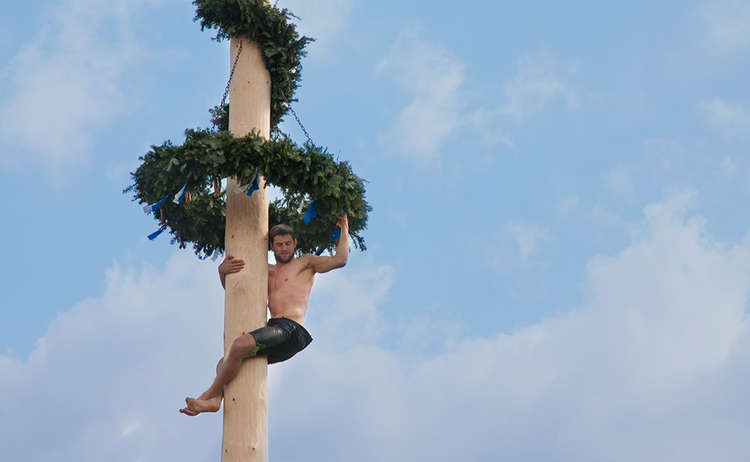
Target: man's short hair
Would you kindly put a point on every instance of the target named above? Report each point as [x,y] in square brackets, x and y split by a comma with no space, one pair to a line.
[280,230]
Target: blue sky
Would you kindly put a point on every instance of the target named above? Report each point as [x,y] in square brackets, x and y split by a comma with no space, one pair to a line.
[557,253]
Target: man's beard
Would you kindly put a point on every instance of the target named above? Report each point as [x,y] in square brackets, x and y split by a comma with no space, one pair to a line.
[281,260]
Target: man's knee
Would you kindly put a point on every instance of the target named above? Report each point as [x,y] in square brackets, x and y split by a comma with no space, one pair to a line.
[242,346]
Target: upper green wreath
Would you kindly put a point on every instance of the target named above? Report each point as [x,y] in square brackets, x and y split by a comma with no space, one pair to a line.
[272,30]
[303,174]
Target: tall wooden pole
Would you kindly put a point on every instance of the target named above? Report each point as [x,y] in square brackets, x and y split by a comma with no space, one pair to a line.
[246,397]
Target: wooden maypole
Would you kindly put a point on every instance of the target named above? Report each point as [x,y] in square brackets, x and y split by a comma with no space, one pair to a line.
[177,185]
[246,397]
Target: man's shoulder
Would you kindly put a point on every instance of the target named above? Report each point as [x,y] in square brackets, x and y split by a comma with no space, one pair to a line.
[304,259]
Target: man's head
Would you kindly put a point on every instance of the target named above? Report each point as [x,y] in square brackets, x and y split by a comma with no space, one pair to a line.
[282,243]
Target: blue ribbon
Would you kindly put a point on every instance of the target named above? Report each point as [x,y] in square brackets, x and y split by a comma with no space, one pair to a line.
[254,186]
[312,211]
[180,194]
[154,207]
[156,233]
[334,237]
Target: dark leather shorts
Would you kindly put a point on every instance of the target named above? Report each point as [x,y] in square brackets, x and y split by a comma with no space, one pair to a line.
[281,339]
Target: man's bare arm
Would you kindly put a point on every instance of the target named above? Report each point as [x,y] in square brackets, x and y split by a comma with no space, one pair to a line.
[228,266]
[321,264]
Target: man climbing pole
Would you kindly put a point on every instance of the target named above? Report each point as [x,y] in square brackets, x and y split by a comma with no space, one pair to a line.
[289,283]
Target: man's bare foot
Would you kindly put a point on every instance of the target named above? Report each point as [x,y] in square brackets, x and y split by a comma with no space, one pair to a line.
[196,406]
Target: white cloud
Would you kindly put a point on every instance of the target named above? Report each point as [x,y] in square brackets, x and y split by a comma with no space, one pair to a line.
[491,133]
[346,302]
[323,19]
[726,24]
[729,119]
[517,245]
[527,237]
[648,368]
[66,82]
[651,366]
[433,78]
[107,378]
[537,84]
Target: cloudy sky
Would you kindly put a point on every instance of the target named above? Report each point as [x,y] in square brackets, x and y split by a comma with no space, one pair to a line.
[559,252]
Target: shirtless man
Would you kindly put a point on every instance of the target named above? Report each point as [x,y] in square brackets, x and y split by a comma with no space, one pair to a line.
[289,284]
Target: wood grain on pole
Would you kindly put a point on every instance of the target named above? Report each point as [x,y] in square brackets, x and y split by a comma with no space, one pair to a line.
[245,398]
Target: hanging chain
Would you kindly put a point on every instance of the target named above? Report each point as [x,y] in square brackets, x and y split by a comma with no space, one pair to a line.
[296,117]
[229,83]
[226,93]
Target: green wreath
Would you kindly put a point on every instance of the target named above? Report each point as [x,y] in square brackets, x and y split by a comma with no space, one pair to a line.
[307,176]
[269,27]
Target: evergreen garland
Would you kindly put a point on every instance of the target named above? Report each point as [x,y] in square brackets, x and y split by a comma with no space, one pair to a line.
[302,173]
[272,30]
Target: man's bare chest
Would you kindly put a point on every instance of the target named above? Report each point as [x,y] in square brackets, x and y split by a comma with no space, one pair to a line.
[276,281]
[289,278]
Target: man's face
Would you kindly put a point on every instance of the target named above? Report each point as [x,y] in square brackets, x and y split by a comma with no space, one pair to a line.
[283,248]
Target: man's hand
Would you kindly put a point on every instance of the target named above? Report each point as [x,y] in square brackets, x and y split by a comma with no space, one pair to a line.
[320,264]
[228,266]
[343,223]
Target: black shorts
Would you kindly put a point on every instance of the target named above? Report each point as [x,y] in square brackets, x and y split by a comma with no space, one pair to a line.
[281,339]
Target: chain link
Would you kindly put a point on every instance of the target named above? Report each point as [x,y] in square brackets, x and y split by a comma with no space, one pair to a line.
[226,90]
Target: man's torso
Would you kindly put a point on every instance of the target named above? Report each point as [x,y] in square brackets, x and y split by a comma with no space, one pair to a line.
[289,288]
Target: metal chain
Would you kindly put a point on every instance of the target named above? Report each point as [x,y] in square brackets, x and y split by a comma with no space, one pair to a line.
[229,83]
[226,93]
[296,117]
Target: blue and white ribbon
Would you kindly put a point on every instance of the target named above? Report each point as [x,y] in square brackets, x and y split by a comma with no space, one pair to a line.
[312,211]
[180,195]
[154,207]
[254,186]
[156,233]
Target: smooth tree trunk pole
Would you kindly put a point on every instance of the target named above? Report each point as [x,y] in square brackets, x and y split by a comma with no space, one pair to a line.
[246,397]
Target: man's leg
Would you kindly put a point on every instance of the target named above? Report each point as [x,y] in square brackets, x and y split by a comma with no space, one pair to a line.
[210,400]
